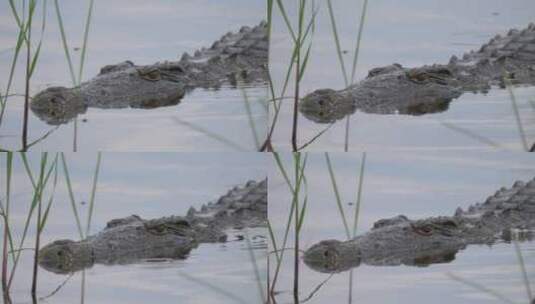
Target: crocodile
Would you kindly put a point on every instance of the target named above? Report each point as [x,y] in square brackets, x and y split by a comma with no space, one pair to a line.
[394,89]
[235,58]
[507,215]
[132,239]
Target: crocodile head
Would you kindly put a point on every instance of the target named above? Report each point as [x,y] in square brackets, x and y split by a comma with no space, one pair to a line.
[117,86]
[58,105]
[331,256]
[326,106]
[65,256]
[387,90]
[124,240]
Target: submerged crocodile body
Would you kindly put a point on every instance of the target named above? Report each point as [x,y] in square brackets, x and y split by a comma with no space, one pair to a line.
[235,57]
[130,239]
[400,241]
[394,89]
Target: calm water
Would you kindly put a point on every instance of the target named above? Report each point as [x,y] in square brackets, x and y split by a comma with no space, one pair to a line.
[143,33]
[428,184]
[412,33]
[149,185]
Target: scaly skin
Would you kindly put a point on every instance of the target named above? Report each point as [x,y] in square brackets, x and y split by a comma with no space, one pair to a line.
[235,57]
[400,241]
[430,89]
[130,239]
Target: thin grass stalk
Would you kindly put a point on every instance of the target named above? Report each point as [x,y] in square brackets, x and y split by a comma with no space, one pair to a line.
[517,115]
[337,194]
[36,196]
[296,97]
[27,83]
[75,136]
[337,42]
[256,271]
[472,135]
[209,286]
[15,13]
[43,137]
[286,20]
[283,91]
[346,135]
[82,289]
[5,216]
[93,192]
[313,139]
[298,45]
[210,134]
[283,171]
[297,160]
[71,196]
[359,194]
[283,245]
[38,225]
[356,219]
[11,72]
[84,46]
[51,198]
[290,217]
[64,41]
[480,288]
[38,49]
[350,293]
[276,106]
[4,255]
[250,119]
[359,38]
[523,271]
[273,241]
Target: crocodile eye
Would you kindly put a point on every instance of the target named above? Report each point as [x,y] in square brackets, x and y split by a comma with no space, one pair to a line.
[320,102]
[60,253]
[154,75]
[326,253]
[419,77]
[150,75]
[321,113]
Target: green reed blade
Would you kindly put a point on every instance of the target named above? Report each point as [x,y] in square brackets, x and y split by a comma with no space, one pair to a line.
[64,42]
[337,194]
[93,192]
[359,193]
[84,46]
[481,288]
[71,196]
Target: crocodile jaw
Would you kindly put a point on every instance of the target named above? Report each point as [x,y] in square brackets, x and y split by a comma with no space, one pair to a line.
[329,257]
[66,256]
